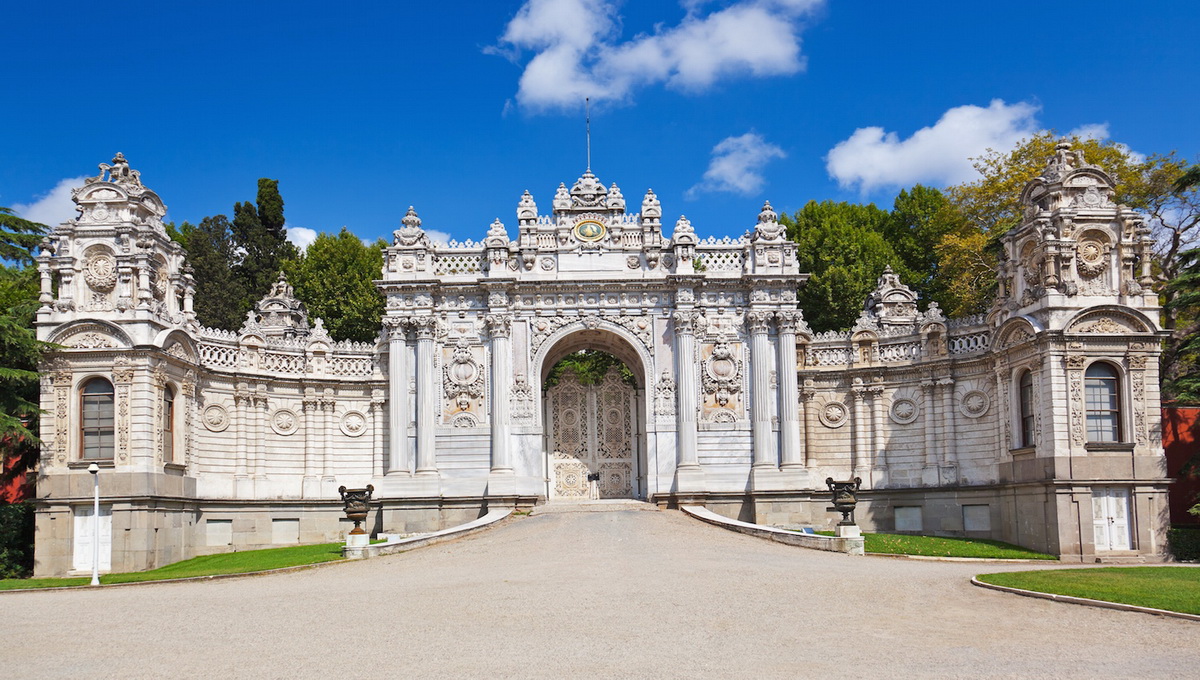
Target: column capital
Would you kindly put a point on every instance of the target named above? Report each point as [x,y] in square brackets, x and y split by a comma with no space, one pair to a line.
[499,325]
[758,321]
[425,326]
[685,321]
[788,320]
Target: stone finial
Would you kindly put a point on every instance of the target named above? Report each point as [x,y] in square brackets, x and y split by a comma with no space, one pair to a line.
[526,209]
[683,227]
[562,198]
[497,235]
[769,228]
[588,192]
[410,219]
[892,302]
[651,208]
[410,232]
[616,201]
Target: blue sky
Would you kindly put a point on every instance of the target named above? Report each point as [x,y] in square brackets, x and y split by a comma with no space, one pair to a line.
[361,109]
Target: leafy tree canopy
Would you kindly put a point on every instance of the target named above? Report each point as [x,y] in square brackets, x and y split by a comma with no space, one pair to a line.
[334,278]
[261,238]
[590,366]
[842,247]
[20,350]
[220,298]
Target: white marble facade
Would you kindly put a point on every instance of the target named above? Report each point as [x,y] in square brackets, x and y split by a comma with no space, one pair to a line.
[227,439]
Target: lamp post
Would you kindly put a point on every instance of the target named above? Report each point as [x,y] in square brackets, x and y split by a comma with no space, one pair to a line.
[95,470]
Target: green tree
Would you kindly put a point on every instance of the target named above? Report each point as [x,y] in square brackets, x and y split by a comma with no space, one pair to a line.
[20,350]
[842,247]
[335,279]
[260,237]
[220,300]
[920,219]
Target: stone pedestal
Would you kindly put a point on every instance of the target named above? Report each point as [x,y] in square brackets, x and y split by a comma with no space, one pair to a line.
[847,531]
[358,540]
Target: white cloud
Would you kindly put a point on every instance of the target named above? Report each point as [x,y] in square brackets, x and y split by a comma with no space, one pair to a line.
[940,154]
[301,236]
[578,51]
[53,207]
[737,165]
[436,236]
[1090,131]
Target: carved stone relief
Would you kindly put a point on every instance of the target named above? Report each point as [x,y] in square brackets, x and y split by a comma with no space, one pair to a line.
[285,422]
[353,424]
[721,377]
[216,418]
[463,384]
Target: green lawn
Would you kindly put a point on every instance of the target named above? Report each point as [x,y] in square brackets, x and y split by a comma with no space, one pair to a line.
[207,565]
[1175,589]
[941,546]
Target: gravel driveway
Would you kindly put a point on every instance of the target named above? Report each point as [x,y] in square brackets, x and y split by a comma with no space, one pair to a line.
[589,594]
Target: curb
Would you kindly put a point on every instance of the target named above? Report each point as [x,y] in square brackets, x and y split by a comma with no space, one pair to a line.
[986,560]
[1086,602]
[848,545]
[489,520]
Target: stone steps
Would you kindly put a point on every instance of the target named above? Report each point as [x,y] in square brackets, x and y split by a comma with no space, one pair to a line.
[604,505]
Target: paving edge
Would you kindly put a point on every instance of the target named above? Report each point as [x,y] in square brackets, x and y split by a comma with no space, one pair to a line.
[1084,601]
[409,544]
[849,546]
[491,519]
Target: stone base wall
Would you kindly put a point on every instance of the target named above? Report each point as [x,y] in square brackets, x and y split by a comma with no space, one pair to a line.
[150,532]
[1050,518]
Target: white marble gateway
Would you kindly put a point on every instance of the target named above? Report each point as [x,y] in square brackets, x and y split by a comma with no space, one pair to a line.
[1007,425]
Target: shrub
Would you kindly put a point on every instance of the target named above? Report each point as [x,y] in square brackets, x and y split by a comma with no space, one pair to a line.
[1184,543]
[16,540]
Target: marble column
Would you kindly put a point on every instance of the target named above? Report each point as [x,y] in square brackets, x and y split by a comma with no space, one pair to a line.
[806,416]
[327,406]
[877,410]
[859,394]
[930,423]
[312,416]
[500,326]
[241,397]
[761,408]
[791,447]
[949,446]
[376,420]
[262,421]
[397,417]
[685,369]
[427,396]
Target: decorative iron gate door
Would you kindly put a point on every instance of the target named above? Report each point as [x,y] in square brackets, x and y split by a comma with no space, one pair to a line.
[592,433]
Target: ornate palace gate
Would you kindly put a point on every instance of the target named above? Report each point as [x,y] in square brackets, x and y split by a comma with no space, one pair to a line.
[592,432]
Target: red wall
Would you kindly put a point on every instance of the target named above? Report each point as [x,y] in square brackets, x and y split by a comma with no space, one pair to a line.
[1181,436]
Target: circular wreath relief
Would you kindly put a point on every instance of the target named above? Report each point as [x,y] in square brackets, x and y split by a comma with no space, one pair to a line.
[833,414]
[975,403]
[285,421]
[216,418]
[353,424]
[904,411]
[1092,255]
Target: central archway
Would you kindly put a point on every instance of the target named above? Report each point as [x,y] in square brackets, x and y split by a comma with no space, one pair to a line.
[594,428]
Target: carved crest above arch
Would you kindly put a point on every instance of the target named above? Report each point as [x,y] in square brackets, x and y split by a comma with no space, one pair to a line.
[91,335]
[1108,321]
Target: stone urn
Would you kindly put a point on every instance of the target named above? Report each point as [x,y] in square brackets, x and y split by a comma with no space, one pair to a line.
[845,498]
[356,504]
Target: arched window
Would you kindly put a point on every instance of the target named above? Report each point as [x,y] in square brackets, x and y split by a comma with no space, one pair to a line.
[1027,416]
[168,424]
[1102,402]
[96,426]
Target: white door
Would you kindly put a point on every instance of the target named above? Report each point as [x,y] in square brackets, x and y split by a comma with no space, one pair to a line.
[1110,518]
[84,526]
[592,435]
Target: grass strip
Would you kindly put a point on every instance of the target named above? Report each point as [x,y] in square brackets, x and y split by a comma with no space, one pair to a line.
[206,565]
[945,546]
[1175,589]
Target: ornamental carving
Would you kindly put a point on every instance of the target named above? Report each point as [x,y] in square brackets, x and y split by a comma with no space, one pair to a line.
[100,272]
[722,375]
[463,383]
[833,414]
[216,417]
[1102,325]
[904,411]
[522,400]
[92,341]
[353,424]
[664,395]
[285,422]
[1075,388]
[975,404]
[1093,258]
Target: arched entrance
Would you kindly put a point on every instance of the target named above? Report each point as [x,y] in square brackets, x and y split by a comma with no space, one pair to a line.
[594,418]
